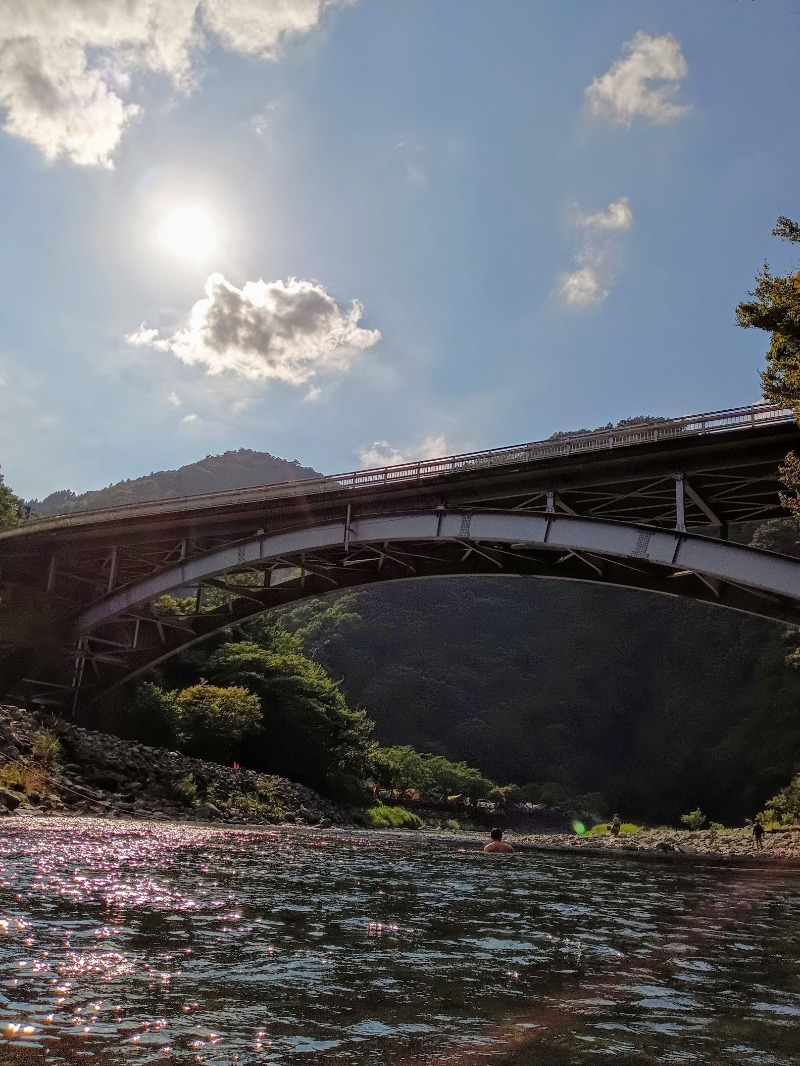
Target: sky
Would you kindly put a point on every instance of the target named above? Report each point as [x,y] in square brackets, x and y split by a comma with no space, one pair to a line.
[361,232]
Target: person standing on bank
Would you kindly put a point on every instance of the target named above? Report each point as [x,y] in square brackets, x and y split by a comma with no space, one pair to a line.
[758,833]
[616,825]
[497,843]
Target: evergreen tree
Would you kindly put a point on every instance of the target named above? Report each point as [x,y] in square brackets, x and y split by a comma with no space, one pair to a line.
[775,308]
[10,506]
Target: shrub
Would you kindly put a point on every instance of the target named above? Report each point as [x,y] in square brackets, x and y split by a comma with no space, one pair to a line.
[383,817]
[694,819]
[784,808]
[246,806]
[452,824]
[45,747]
[212,719]
[24,777]
[716,827]
[626,827]
[185,789]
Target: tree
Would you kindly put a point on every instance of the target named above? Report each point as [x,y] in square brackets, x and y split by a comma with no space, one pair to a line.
[694,819]
[150,717]
[784,808]
[10,506]
[775,308]
[211,720]
[432,776]
[778,535]
[309,732]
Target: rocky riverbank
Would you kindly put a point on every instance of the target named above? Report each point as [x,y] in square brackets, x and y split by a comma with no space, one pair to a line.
[53,767]
[724,845]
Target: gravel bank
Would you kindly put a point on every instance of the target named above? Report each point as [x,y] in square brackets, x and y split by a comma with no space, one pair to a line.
[99,774]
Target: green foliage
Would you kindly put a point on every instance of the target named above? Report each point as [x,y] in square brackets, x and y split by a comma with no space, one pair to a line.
[434,778]
[10,506]
[775,308]
[211,719]
[602,828]
[694,819]
[150,716]
[309,732]
[656,705]
[185,789]
[716,827]
[784,807]
[245,807]
[505,795]
[173,606]
[26,777]
[383,817]
[780,535]
[46,747]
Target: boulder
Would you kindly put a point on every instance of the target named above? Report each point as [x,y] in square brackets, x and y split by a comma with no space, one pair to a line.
[10,799]
[206,812]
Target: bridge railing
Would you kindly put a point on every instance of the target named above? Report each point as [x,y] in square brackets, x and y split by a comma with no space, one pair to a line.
[715,422]
[556,447]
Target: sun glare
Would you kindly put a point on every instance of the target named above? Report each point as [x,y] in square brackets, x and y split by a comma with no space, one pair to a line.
[189,231]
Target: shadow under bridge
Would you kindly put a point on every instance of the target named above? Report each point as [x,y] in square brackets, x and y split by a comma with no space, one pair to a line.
[123,634]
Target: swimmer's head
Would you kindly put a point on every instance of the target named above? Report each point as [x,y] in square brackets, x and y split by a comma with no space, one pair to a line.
[496,834]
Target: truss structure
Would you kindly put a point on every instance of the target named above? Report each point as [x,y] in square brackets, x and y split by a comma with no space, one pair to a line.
[80,593]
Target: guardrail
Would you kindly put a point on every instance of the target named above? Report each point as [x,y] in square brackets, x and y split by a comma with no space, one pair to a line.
[575,444]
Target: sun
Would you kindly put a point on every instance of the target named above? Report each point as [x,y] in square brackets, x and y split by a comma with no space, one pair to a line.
[190,232]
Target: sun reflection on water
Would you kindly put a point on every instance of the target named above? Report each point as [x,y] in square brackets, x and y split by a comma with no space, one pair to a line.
[218,946]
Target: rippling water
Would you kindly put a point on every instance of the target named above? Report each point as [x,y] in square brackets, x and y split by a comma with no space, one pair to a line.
[136,943]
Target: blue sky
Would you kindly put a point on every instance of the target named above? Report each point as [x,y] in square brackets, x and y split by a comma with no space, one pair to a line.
[357,232]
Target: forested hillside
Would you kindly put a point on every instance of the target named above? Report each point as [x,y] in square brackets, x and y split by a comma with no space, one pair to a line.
[659,704]
[231,470]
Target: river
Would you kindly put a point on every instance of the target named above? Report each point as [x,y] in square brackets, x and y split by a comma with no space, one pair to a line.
[131,943]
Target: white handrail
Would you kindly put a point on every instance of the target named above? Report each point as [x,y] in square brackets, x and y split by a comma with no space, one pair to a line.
[576,444]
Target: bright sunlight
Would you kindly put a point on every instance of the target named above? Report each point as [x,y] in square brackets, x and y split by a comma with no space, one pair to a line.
[190,232]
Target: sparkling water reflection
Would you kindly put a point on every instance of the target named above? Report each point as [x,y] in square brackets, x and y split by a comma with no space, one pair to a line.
[136,944]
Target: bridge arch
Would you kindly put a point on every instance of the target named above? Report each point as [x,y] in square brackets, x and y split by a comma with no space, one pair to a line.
[120,635]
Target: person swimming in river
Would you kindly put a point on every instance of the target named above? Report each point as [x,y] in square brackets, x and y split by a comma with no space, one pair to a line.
[497,843]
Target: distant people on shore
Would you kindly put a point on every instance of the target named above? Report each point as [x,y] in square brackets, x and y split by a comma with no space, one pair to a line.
[758,833]
[497,843]
[615,825]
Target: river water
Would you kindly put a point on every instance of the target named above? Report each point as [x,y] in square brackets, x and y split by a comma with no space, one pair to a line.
[130,943]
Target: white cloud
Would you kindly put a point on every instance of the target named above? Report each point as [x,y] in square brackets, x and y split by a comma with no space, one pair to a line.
[582,287]
[143,338]
[289,331]
[260,29]
[66,65]
[382,453]
[616,216]
[189,418]
[589,283]
[173,397]
[644,82]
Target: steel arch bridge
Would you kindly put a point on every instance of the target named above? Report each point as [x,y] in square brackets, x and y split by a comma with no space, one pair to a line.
[644,508]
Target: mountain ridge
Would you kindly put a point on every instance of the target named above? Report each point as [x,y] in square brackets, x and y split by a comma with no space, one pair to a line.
[235,469]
